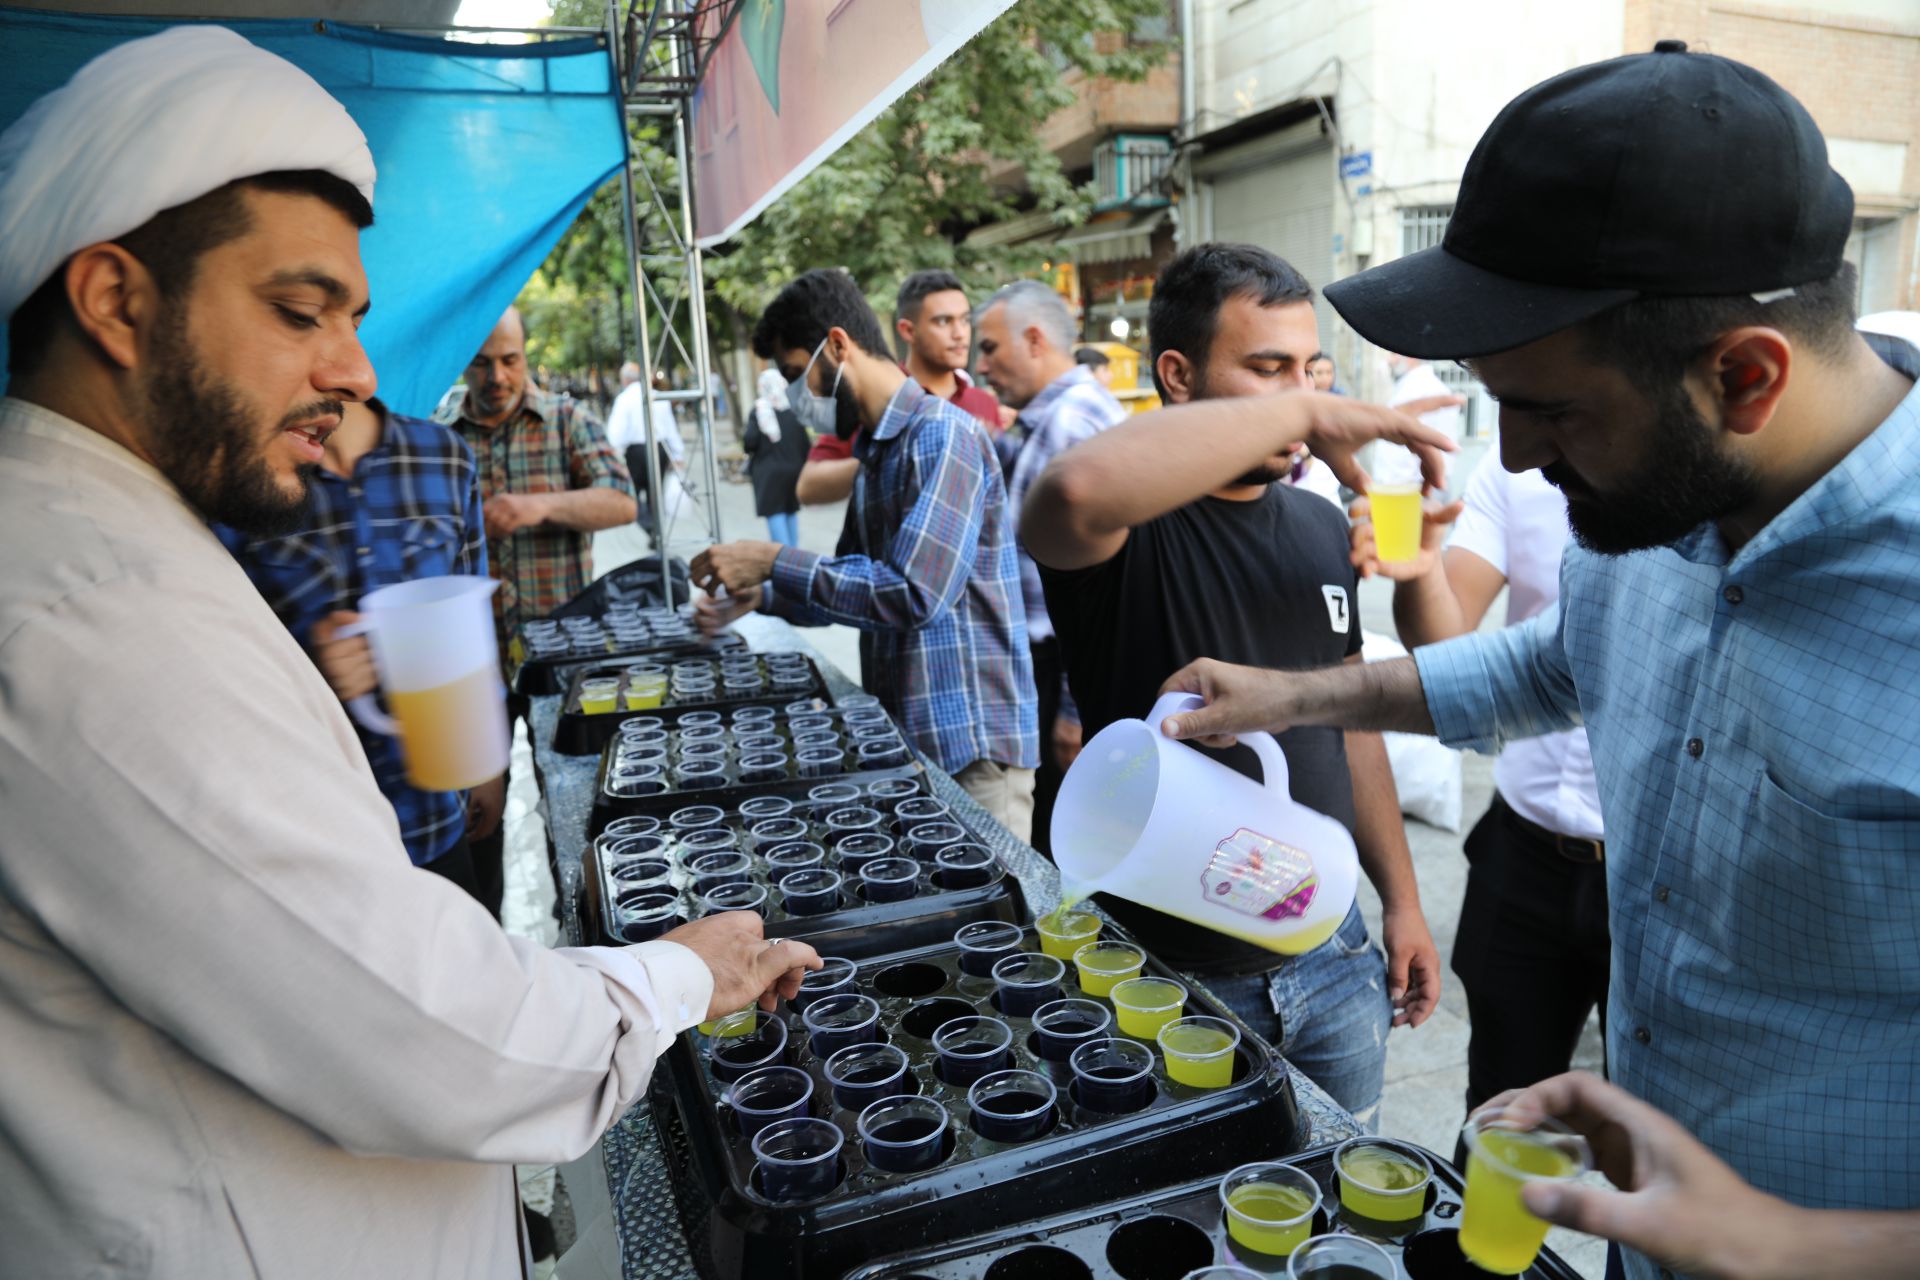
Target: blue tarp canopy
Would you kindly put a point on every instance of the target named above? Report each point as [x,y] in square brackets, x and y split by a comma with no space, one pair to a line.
[486,154]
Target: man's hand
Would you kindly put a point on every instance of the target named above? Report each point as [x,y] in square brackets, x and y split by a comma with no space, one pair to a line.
[486,804]
[714,614]
[1413,966]
[347,664]
[734,565]
[1339,426]
[746,967]
[1436,523]
[1066,742]
[1239,700]
[508,513]
[1676,1201]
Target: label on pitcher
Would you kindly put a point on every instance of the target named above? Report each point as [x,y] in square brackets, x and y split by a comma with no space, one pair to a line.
[1260,876]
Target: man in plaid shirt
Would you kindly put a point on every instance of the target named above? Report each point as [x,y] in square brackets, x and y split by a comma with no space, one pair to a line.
[926,566]
[394,499]
[548,476]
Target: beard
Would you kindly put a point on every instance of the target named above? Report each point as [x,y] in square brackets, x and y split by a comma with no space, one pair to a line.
[1686,482]
[846,411]
[206,442]
[1266,472]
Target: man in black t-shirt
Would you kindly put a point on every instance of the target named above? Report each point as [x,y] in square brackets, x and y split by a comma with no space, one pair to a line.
[1172,539]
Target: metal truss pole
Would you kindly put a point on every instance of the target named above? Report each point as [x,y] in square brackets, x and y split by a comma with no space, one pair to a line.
[697,293]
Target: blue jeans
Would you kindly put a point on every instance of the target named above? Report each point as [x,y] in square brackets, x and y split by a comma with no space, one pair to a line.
[785,528]
[1327,1012]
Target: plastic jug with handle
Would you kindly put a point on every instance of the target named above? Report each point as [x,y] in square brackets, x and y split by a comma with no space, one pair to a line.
[1147,818]
[433,644]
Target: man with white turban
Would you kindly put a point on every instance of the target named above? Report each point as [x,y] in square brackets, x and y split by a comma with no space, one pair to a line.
[243,1035]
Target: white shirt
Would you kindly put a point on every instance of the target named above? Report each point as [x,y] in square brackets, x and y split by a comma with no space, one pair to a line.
[242,1035]
[1518,524]
[627,426]
[1395,464]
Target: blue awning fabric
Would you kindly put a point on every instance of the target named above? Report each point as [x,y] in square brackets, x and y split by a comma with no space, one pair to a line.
[486,155]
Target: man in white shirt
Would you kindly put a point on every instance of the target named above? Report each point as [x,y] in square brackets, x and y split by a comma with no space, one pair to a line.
[627,433]
[1532,948]
[244,1035]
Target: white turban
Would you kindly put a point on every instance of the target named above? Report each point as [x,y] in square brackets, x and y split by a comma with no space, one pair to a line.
[151,124]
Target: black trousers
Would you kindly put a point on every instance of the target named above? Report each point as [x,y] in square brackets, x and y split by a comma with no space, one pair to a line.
[456,864]
[1047,674]
[1531,953]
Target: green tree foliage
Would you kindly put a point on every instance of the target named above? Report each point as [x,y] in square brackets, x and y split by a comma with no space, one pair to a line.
[960,149]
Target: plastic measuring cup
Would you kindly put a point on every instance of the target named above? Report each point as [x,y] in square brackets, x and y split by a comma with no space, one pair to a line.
[1340,1258]
[862,1074]
[1151,820]
[1200,1051]
[1061,1026]
[1382,1181]
[1112,1075]
[767,1096]
[1064,932]
[798,1159]
[836,1021]
[1269,1209]
[1497,1233]
[1025,981]
[903,1134]
[969,1048]
[1011,1106]
[1101,965]
[1144,1005]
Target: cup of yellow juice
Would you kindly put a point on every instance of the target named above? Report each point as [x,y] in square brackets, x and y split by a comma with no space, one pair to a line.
[1099,965]
[1269,1210]
[1144,1005]
[1396,521]
[599,695]
[1064,932]
[1199,1051]
[1497,1233]
[1382,1181]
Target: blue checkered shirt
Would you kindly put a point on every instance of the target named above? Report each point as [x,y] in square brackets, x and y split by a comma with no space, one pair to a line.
[411,510]
[926,569]
[1072,408]
[1755,722]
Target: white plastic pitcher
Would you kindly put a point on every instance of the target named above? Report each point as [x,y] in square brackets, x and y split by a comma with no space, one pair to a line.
[433,644]
[1149,819]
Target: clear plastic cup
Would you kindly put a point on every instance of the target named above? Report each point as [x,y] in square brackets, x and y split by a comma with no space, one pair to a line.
[761,808]
[888,792]
[984,944]
[927,840]
[753,744]
[1340,1258]
[889,879]
[857,850]
[903,1134]
[698,719]
[1382,1181]
[1144,1005]
[862,1074]
[704,733]
[812,722]
[705,750]
[971,1047]
[797,855]
[820,762]
[1061,1026]
[1496,1232]
[965,866]
[835,975]
[798,1159]
[1113,1075]
[697,844]
[694,817]
[713,870]
[637,780]
[735,897]
[912,812]
[639,824]
[646,915]
[851,818]
[700,775]
[877,753]
[641,873]
[771,832]
[1221,1271]
[616,849]
[1064,932]
[1012,1106]
[836,1021]
[817,740]
[768,1096]
[744,1043]
[752,715]
[1100,966]
[811,893]
[1199,1051]
[1269,1208]
[1024,982]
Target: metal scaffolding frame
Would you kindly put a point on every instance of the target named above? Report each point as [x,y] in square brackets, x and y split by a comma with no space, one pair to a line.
[661,53]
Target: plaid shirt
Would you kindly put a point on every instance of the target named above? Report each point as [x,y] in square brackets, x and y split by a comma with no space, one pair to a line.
[549,445]
[1755,723]
[1072,408]
[411,510]
[926,569]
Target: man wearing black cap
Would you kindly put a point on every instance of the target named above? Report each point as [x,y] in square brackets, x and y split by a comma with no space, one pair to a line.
[1644,267]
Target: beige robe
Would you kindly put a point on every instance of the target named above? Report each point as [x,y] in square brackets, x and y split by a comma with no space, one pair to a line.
[239,1034]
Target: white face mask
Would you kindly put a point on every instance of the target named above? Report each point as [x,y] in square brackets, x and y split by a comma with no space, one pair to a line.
[819,414]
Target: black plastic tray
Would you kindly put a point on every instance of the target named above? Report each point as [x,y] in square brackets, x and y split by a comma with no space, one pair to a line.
[1168,1233]
[608,801]
[581,734]
[541,677]
[859,929]
[1087,1158]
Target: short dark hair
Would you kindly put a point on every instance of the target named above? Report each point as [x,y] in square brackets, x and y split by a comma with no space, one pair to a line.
[822,299]
[1185,311]
[170,245]
[1317,357]
[915,289]
[1092,357]
[1655,338]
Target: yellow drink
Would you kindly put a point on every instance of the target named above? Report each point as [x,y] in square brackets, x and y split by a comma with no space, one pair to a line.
[728,1025]
[1145,1024]
[1270,1219]
[645,697]
[1198,1057]
[1496,1232]
[1381,1184]
[1144,1005]
[1064,932]
[449,733]
[596,703]
[1101,965]
[1396,521]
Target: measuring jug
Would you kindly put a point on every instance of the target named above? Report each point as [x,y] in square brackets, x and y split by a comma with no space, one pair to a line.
[1151,820]
[433,644]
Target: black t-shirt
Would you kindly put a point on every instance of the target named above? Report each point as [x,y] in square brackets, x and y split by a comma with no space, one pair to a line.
[1266,583]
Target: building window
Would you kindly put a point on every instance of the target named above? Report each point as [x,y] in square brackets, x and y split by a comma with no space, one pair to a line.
[1874,251]
[1422,226]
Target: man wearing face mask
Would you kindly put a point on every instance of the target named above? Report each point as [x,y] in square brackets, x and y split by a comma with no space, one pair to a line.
[925,566]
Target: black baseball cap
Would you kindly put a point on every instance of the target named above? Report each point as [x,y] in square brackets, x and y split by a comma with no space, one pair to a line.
[1663,173]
